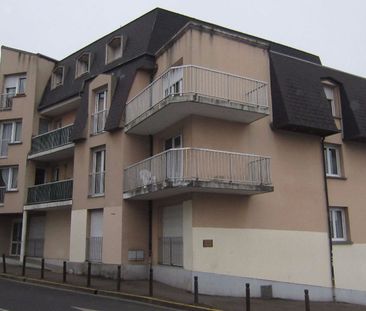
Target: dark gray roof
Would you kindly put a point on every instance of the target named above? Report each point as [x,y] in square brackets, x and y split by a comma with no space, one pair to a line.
[299,102]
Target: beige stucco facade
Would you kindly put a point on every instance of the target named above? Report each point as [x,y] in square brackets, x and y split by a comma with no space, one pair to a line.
[276,237]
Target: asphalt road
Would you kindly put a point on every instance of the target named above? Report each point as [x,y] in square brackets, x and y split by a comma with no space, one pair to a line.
[17,296]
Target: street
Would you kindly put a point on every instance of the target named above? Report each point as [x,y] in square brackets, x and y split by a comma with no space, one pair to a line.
[16,296]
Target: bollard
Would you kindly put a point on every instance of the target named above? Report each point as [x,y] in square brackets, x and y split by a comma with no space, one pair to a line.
[42,268]
[247,296]
[307,301]
[24,264]
[118,278]
[151,283]
[88,283]
[64,272]
[196,289]
[4,264]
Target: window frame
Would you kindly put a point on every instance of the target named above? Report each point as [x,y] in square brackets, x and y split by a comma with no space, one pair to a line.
[328,160]
[9,183]
[94,172]
[335,98]
[13,134]
[97,112]
[108,47]
[53,77]
[78,72]
[334,232]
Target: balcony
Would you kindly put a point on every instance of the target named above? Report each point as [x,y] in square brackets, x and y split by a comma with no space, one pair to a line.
[191,90]
[52,146]
[6,101]
[185,170]
[50,192]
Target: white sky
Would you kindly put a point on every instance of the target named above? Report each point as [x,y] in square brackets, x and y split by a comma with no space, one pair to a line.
[333,29]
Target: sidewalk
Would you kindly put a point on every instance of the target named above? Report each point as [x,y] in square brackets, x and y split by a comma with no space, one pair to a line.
[165,292]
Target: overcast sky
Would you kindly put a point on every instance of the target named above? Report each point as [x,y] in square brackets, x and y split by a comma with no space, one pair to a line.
[333,29]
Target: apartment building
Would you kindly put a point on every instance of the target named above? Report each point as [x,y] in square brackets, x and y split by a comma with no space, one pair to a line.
[193,149]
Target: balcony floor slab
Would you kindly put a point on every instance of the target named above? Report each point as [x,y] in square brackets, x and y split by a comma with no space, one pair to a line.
[49,205]
[175,108]
[171,188]
[54,154]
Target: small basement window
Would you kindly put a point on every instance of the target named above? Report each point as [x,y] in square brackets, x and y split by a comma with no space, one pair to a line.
[82,64]
[114,49]
[57,77]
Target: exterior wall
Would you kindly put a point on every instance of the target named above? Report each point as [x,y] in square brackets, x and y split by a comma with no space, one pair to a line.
[348,192]
[6,232]
[36,69]
[57,234]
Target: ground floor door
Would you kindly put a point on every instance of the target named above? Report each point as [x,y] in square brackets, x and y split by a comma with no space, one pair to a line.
[16,238]
[95,240]
[35,240]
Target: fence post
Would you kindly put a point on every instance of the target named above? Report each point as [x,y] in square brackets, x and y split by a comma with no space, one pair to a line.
[64,272]
[88,283]
[151,282]
[42,268]
[118,278]
[4,264]
[196,289]
[247,296]
[307,301]
[24,264]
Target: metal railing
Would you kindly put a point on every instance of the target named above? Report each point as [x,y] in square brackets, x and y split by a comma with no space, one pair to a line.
[171,251]
[6,101]
[35,247]
[50,192]
[189,79]
[52,139]
[2,194]
[96,183]
[187,164]
[98,122]
[94,247]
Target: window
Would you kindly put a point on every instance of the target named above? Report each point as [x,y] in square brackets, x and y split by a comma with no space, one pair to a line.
[332,160]
[55,174]
[97,175]
[10,132]
[173,82]
[15,84]
[9,178]
[114,49]
[57,78]
[82,64]
[332,94]
[21,85]
[173,142]
[100,112]
[338,224]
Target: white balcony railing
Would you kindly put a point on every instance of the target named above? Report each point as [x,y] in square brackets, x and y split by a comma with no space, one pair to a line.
[185,80]
[195,164]
[98,121]
[6,101]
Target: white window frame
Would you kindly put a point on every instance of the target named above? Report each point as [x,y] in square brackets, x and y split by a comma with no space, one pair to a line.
[16,84]
[97,112]
[332,211]
[94,172]
[328,160]
[78,65]
[108,47]
[13,133]
[54,83]
[9,182]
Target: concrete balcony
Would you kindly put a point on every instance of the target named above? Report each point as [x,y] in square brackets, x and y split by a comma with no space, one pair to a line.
[49,195]
[183,170]
[192,90]
[53,145]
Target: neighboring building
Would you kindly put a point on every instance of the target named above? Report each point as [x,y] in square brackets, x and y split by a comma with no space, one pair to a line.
[195,148]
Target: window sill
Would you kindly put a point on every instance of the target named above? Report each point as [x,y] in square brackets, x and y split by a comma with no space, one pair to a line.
[96,134]
[15,143]
[342,242]
[11,190]
[336,177]
[93,196]
[19,95]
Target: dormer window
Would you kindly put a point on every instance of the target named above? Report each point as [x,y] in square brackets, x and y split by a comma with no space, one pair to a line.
[114,49]
[82,64]
[57,77]
[332,94]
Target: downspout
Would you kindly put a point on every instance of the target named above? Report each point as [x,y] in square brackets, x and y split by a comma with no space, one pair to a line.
[328,221]
[150,209]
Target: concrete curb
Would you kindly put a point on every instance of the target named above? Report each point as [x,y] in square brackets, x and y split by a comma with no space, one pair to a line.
[122,295]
